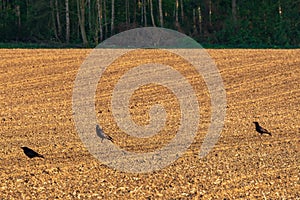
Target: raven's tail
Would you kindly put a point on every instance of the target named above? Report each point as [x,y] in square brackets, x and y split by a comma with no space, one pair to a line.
[41,156]
[110,138]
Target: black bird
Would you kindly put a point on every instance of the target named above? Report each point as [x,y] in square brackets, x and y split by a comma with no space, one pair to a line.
[260,129]
[102,135]
[31,153]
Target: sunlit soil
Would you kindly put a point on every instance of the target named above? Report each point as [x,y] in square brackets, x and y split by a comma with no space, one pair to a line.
[36,111]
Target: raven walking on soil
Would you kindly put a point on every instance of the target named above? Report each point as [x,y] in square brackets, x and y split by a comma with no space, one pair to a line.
[260,129]
[31,153]
[101,134]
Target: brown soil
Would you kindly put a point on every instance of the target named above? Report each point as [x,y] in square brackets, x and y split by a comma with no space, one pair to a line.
[36,111]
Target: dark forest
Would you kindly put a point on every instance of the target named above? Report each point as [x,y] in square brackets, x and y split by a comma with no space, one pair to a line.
[255,23]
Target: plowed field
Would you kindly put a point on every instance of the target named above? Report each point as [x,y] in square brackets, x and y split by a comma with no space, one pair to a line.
[36,111]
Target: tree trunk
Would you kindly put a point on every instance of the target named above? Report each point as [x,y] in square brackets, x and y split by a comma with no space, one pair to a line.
[81,19]
[127,12]
[134,12]
[233,11]
[142,11]
[99,7]
[210,13]
[112,17]
[177,24]
[53,19]
[105,18]
[200,19]
[182,11]
[27,9]
[58,19]
[89,15]
[67,22]
[194,21]
[145,12]
[161,19]
[151,13]
[279,9]
[176,11]
[18,15]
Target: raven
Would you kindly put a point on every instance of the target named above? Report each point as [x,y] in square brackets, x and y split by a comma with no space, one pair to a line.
[31,153]
[260,129]
[101,134]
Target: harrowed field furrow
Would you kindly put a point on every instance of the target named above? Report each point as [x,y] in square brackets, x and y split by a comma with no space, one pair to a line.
[36,88]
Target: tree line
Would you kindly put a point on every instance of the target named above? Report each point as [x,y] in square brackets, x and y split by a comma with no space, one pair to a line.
[88,22]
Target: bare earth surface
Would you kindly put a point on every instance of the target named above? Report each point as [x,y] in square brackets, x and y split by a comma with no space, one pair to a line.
[36,111]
